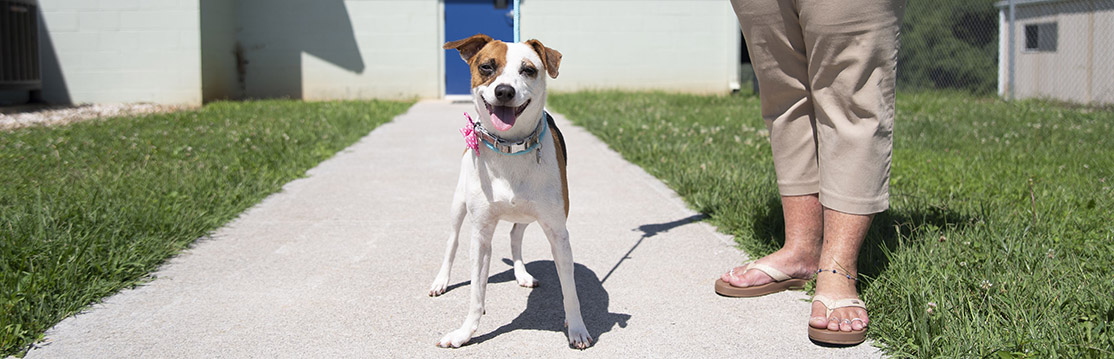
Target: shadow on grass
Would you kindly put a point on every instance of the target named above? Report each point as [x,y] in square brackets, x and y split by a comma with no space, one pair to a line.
[545,308]
[884,236]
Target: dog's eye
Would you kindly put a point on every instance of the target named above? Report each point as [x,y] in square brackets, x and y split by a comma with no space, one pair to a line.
[529,71]
[487,69]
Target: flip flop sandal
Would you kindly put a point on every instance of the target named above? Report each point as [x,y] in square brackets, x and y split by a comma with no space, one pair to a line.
[837,337]
[781,282]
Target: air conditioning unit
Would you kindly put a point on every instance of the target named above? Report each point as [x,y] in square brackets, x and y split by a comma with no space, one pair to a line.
[19,45]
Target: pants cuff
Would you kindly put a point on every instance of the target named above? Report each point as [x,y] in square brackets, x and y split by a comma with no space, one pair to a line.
[858,206]
[799,188]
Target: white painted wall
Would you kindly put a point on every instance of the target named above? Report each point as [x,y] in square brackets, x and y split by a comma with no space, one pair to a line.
[182,51]
[112,51]
[400,42]
[219,75]
[674,45]
[1103,81]
[332,49]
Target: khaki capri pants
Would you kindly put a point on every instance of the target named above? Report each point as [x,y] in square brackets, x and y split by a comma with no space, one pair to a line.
[826,71]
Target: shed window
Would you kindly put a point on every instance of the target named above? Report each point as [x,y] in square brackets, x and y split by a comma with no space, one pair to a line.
[1041,37]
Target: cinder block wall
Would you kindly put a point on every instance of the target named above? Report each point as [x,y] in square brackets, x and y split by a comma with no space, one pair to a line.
[112,51]
[184,51]
[674,45]
[318,50]
[219,77]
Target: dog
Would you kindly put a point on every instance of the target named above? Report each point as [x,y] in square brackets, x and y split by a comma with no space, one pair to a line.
[513,170]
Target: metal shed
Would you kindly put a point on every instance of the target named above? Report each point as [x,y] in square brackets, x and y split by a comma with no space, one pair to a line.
[1061,50]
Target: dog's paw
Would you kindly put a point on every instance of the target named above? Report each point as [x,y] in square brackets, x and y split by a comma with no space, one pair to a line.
[525,279]
[455,338]
[579,337]
[438,287]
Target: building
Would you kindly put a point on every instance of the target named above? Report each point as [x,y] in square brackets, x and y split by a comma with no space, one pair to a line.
[1062,50]
[191,51]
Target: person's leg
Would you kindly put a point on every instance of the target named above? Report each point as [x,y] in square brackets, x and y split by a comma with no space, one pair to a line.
[799,256]
[852,57]
[843,236]
[777,50]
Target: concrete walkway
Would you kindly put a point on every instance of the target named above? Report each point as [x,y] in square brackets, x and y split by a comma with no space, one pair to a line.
[339,265]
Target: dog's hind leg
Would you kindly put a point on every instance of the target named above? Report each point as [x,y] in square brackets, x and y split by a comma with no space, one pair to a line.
[481,265]
[456,217]
[562,258]
[520,274]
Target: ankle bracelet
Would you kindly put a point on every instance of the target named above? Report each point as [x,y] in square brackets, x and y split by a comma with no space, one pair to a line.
[818,271]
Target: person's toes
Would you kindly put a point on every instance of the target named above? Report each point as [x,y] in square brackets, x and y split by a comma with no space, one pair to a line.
[857,325]
[861,314]
[735,277]
[817,318]
[833,324]
[818,322]
[747,278]
[851,319]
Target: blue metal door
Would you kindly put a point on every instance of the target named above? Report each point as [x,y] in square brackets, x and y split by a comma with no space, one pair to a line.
[464,18]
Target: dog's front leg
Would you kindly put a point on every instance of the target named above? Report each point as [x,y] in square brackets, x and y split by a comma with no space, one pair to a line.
[456,218]
[562,257]
[481,263]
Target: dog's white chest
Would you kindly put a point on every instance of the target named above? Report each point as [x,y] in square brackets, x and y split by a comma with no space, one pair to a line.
[506,194]
[511,189]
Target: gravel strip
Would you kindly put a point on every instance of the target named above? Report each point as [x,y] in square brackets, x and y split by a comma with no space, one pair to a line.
[48,115]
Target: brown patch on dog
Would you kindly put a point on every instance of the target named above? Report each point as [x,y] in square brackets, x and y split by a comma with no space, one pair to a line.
[528,69]
[468,47]
[559,147]
[484,55]
[550,57]
[488,63]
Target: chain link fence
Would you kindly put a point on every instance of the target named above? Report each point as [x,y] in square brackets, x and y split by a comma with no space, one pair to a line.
[1059,49]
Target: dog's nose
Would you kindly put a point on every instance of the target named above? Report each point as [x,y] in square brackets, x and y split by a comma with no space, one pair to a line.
[504,92]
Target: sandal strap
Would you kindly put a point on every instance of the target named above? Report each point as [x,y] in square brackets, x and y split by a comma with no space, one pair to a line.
[777,275]
[832,305]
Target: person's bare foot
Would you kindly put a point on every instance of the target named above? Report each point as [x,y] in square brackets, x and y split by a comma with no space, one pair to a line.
[837,286]
[794,263]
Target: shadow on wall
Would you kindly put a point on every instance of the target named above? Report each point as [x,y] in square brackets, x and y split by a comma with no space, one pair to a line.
[54,89]
[273,34]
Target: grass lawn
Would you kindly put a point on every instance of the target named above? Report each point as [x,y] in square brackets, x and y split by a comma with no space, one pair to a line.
[999,241]
[90,208]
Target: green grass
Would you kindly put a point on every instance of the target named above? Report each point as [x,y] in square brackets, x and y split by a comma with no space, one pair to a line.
[93,207]
[1000,218]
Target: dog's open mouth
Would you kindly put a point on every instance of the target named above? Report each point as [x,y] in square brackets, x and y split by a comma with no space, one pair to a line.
[503,117]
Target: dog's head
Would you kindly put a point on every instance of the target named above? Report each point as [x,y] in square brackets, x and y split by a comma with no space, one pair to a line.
[508,81]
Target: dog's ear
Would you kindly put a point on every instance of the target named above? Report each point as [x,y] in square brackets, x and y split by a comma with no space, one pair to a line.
[470,46]
[550,57]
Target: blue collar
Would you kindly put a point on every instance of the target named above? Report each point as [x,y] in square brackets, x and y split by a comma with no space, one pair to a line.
[513,148]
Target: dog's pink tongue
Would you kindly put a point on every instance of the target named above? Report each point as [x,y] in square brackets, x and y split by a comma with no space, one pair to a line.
[502,117]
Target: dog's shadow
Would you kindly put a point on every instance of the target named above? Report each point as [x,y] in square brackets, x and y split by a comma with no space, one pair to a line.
[545,308]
